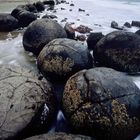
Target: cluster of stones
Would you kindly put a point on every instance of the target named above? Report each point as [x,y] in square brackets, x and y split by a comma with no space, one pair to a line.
[22,15]
[97,100]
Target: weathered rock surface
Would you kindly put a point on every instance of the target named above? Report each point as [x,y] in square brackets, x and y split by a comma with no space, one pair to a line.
[63,57]
[119,50]
[22,96]
[8,23]
[60,136]
[41,32]
[103,103]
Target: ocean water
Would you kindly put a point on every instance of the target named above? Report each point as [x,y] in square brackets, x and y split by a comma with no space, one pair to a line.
[98,16]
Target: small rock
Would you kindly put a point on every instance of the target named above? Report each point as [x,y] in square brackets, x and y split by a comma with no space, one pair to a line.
[70,10]
[63,8]
[81,10]
[49,2]
[71,4]
[81,37]
[115,25]
[87,14]
[135,23]
[49,16]
[70,31]
[83,29]
[64,20]
[127,24]
[63,1]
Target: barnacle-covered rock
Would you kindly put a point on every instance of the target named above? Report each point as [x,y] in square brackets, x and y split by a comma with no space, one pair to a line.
[119,50]
[63,57]
[104,103]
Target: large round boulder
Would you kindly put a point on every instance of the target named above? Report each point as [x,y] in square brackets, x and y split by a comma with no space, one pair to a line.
[103,103]
[63,57]
[41,32]
[60,136]
[8,23]
[26,103]
[119,50]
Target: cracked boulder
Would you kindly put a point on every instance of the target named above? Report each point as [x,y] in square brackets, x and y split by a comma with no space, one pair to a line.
[103,103]
[26,103]
[61,58]
[60,136]
[119,50]
[41,32]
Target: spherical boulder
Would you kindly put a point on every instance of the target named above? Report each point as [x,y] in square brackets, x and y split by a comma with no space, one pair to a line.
[22,97]
[63,57]
[103,103]
[41,32]
[93,39]
[119,50]
[8,23]
[60,136]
